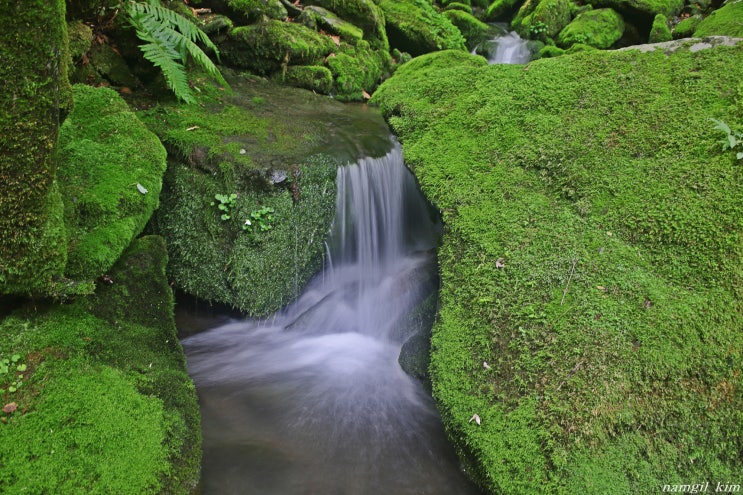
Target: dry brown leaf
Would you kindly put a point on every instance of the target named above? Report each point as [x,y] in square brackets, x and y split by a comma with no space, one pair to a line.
[336,40]
[9,408]
[499,263]
[365,94]
[475,418]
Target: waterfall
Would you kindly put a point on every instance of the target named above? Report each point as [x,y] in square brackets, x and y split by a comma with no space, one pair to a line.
[313,400]
[506,47]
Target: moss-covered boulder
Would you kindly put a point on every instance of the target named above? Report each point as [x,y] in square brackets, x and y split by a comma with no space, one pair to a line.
[312,77]
[316,17]
[416,27]
[34,97]
[500,10]
[600,28]
[248,11]
[725,21]
[591,299]
[643,8]
[269,46]
[548,18]
[110,176]
[686,27]
[358,70]
[459,6]
[473,29]
[365,14]
[105,404]
[660,31]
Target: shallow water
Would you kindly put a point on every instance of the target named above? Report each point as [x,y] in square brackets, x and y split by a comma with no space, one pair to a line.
[313,400]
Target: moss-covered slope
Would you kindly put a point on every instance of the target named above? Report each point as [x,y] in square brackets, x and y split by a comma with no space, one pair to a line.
[96,397]
[592,264]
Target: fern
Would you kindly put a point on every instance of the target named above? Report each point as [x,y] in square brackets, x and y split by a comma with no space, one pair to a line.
[169,40]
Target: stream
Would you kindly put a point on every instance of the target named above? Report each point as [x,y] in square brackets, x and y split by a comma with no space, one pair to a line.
[312,400]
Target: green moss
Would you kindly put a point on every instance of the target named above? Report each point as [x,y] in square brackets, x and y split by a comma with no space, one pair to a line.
[255,10]
[319,18]
[650,8]
[591,257]
[685,28]
[501,9]
[312,77]
[464,7]
[358,69]
[106,405]
[548,19]
[550,51]
[106,155]
[414,26]
[34,98]
[599,28]
[660,31]
[362,13]
[81,39]
[725,21]
[267,46]
[473,30]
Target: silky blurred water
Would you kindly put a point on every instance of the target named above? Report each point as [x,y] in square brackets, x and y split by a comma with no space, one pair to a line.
[313,400]
[505,47]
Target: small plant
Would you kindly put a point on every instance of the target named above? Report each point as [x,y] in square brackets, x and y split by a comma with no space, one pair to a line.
[537,29]
[225,203]
[14,368]
[733,140]
[259,221]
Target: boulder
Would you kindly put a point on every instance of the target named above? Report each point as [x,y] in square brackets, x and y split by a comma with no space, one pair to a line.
[312,77]
[600,28]
[548,18]
[725,21]
[357,70]
[660,31]
[416,27]
[473,29]
[315,17]
[500,10]
[365,14]
[646,9]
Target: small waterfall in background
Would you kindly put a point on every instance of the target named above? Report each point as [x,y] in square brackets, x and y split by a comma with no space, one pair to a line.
[313,400]
[506,47]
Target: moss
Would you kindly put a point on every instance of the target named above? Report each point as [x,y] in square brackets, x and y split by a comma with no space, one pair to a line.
[550,51]
[357,70]
[660,31]
[312,77]
[464,7]
[725,21]
[102,383]
[473,30]
[81,39]
[599,28]
[256,10]
[105,153]
[685,28]
[267,46]
[501,9]
[648,8]
[549,17]
[319,18]
[414,26]
[591,257]
[34,88]
[362,13]
[110,66]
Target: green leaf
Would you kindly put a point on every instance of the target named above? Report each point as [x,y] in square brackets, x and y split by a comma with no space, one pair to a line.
[21,367]
[15,358]
[740,155]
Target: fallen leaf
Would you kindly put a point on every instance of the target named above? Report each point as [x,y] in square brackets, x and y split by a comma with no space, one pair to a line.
[192,128]
[485,365]
[9,408]
[601,288]
[365,94]
[330,55]
[475,418]
[141,188]
[336,40]
[499,263]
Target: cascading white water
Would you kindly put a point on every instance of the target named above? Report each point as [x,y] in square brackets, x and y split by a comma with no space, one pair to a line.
[506,47]
[313,400]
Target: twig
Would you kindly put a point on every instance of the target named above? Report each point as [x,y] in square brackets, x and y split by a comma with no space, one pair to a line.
[564,292]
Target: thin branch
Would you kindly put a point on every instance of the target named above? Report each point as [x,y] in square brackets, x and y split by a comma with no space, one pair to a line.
[564,292]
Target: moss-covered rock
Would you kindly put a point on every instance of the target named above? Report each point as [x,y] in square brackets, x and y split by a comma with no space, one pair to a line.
[80,38]
[312,77]
[106,405]
[686,27]
[591,257]
[34,97]
[473,29]
[105,64]
[256,10]
[365,14]
[725,21]
[416,27]
[646,8]
[501,9]
[600,28]
[110,176]
[549,51]
[357,70]
[459,6]
[660,31]
[268,46]
[316,17]
[548,18]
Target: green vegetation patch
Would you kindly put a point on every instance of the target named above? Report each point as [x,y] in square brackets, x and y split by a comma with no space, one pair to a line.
[110,177]
[600,28]
[357,70]
[473,29]
[416,27]
[34,97]
[725,21]
[104,404]
[588,339]
[649,7]
[660,31]
[362,13]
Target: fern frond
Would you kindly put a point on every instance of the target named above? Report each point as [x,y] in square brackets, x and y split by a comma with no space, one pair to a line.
[205,62]
[174,72]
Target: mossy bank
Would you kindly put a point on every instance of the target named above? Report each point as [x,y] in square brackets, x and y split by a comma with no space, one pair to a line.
[591,266]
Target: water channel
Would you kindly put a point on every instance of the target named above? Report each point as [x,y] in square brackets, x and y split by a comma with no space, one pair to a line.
[313,400]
